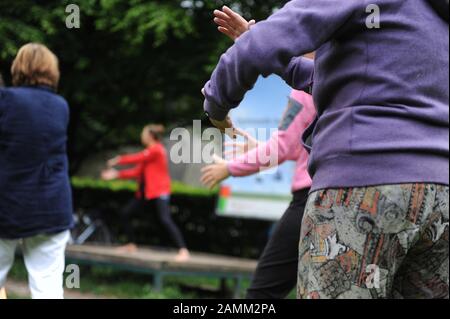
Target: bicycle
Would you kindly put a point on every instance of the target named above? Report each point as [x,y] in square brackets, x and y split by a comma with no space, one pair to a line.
[90,228]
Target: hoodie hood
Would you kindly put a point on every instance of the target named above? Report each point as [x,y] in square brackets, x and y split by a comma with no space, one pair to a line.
[441,7]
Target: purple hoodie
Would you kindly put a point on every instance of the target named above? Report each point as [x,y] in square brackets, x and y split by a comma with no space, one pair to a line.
[382,94]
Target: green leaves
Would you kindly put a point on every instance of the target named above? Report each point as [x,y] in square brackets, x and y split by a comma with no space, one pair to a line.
[136,19]
[14,33]
[130,63]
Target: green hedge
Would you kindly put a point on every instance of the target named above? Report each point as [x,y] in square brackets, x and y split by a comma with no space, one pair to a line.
[120,185]
[193,210]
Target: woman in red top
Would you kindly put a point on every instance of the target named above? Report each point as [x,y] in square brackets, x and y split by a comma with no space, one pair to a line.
[151,170]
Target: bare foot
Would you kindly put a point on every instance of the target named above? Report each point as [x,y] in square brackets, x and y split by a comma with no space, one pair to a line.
[183,255]
[127,249]
[3,293]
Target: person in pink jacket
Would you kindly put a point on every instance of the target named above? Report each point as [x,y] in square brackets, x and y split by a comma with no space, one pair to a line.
[284,145]
[276,274]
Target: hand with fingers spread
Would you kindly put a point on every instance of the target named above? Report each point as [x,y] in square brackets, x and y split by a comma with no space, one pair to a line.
[231,23]
[215,173]
[113,162]
[110,174]
[240,148]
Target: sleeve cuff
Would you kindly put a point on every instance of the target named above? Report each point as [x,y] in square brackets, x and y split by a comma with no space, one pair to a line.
[214,111]
[231,169]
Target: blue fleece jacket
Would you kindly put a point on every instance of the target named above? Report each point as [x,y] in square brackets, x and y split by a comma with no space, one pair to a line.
[35,193]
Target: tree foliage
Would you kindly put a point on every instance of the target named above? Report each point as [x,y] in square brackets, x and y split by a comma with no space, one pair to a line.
[130,63]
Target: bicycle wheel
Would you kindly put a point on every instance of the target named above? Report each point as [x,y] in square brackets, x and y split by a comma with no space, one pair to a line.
[101,235]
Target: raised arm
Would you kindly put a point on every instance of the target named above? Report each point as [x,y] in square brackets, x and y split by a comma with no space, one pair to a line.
[298,73]
[300,27]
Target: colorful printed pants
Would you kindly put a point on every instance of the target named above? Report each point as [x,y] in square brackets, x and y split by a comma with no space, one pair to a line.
[376,242]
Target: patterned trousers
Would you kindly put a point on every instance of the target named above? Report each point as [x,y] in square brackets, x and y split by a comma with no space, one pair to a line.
[375,242]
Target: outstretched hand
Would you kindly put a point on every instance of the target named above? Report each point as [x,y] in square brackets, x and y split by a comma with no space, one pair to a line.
[240,148]
[214,174]
[110,174]
[113,162]
[231,23]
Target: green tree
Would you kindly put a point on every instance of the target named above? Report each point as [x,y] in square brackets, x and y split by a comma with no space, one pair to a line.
[130,63]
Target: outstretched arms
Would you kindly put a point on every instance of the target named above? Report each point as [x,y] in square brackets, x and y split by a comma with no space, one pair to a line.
[284,145]
[131,159]
[137,158]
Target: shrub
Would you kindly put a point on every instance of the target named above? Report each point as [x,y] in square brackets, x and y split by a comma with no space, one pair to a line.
[193,210]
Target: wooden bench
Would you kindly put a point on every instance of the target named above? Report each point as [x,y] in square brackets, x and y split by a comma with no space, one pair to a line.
[162,263]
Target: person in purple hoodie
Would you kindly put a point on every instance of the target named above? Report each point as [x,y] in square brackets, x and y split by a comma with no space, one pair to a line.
[376,222]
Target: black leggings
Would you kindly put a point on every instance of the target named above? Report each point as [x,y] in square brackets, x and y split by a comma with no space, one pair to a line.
[276,274]
[135,206]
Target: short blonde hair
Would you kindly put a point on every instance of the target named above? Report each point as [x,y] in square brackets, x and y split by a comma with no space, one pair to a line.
[35,64]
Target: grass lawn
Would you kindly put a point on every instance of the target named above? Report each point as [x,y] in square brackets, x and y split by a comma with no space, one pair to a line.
[108,282]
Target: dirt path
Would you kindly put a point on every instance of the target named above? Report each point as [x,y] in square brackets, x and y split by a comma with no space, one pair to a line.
[20,290]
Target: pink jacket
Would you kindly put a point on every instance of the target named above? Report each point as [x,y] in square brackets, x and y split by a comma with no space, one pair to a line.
[299,114]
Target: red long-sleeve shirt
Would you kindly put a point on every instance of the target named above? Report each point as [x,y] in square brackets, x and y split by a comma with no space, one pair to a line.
[151,165]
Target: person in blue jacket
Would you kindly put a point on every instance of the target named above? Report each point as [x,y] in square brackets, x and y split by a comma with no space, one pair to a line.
[35,193]
[2,289]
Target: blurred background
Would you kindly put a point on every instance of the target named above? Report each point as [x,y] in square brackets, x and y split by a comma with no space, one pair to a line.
[129,56]
[130,63]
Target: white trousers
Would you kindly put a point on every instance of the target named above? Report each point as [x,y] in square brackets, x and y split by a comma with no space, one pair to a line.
[45,262]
